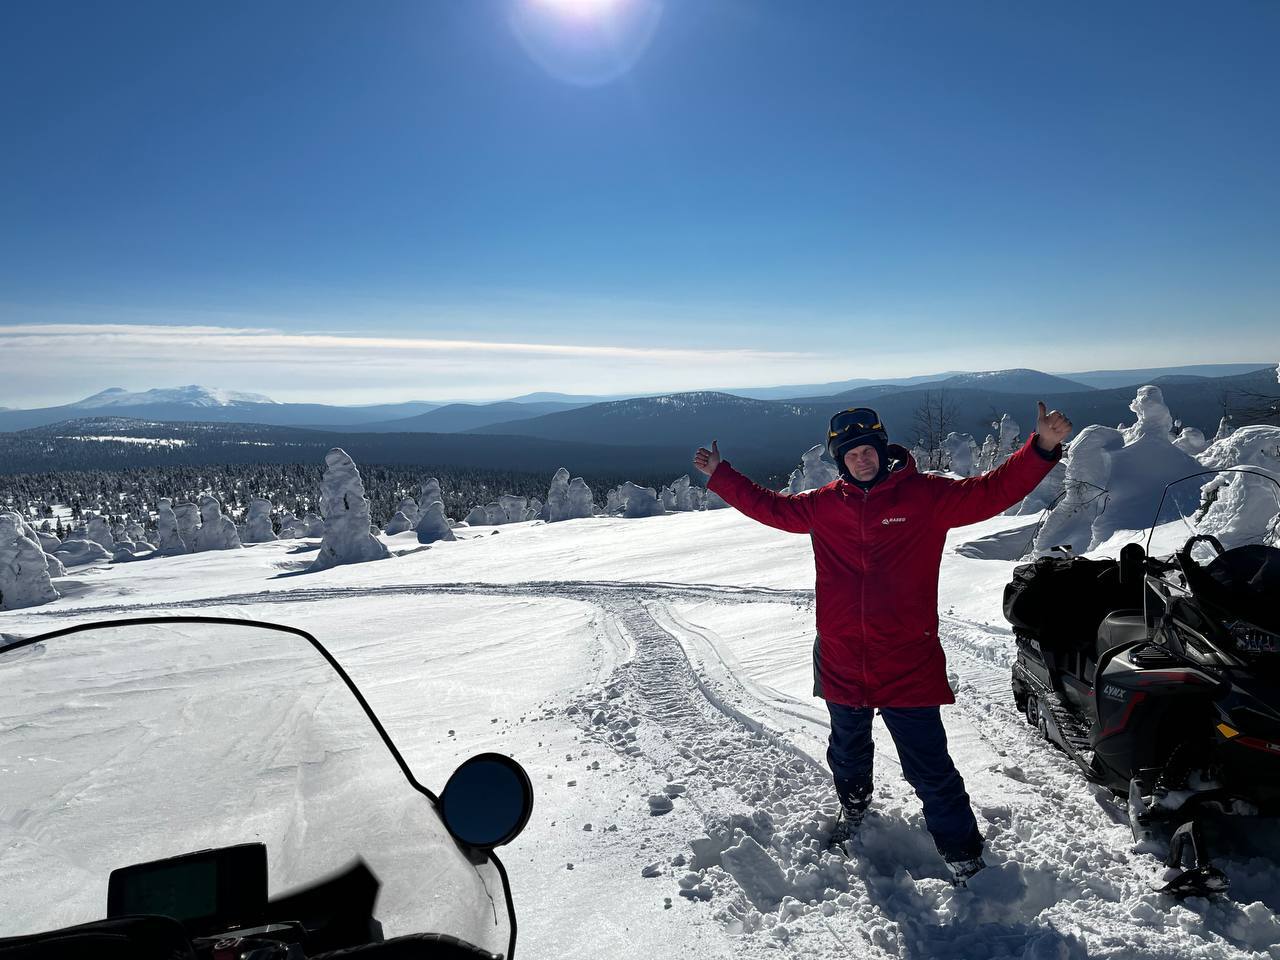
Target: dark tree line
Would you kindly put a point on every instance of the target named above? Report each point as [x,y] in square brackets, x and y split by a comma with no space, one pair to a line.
[134,492]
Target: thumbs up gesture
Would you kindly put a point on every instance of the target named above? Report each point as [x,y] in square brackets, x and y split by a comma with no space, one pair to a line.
[1052,427]
[707,460]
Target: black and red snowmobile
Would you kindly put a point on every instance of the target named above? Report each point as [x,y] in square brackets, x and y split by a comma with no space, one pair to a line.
[1160,677]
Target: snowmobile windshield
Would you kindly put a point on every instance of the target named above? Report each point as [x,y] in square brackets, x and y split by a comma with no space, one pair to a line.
[141,741]
[1228,530]
[1233,506]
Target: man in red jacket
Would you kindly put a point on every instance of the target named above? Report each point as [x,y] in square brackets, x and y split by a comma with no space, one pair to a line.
[877,535]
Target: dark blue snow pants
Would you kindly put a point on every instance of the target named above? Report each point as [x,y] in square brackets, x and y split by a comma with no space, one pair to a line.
[922,747]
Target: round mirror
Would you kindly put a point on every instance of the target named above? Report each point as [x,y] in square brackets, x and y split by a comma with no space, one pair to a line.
[487,801]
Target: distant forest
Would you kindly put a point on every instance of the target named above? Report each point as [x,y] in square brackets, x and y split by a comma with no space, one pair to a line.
[296,487]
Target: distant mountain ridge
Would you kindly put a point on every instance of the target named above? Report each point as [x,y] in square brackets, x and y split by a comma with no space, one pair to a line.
[1105,379]
[995,381]
[457,417]
[761,428]
[210,404]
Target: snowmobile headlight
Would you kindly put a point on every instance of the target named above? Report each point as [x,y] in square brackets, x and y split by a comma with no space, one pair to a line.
[1252,639]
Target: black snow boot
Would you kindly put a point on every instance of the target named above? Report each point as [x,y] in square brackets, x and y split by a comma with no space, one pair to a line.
[963,870]
[854,800]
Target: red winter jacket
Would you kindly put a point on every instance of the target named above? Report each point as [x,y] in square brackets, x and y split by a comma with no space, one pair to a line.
[877,554]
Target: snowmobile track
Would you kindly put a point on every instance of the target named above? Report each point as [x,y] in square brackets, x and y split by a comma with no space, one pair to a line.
[744,781]
[592,591]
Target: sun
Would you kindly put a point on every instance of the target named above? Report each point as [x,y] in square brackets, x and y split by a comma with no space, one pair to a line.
[580,8]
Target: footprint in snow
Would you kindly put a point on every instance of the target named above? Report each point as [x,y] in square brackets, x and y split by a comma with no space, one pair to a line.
[1014,772]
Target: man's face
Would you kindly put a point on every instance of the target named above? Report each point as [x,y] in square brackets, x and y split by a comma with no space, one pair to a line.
[862,462]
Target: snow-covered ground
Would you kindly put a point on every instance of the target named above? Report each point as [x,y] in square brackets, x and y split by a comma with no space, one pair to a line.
[636,664]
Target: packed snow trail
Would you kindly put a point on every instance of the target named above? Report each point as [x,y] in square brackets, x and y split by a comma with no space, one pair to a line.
[590,591]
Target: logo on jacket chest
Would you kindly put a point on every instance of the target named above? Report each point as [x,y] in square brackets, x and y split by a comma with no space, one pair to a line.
[887,521]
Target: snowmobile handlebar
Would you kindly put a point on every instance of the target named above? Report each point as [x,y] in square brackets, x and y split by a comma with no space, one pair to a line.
[1202,538]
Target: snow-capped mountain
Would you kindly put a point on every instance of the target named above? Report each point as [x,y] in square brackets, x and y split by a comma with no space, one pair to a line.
[192,395]
[208,405]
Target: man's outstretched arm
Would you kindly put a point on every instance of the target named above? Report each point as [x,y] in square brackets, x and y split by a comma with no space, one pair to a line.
[793,513]
[980,498]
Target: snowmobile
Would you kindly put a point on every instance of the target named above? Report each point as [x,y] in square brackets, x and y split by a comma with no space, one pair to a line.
[1160,677]
[207,789]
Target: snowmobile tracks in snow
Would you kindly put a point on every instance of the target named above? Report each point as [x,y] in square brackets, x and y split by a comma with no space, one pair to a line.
[591,591]
[762,861]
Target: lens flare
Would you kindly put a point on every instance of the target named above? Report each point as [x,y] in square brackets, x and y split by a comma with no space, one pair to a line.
[585,42]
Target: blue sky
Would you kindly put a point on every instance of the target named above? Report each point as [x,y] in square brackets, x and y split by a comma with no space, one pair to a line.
[356,201]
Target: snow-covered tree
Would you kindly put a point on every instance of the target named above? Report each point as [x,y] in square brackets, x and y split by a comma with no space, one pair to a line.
[346,516]
[216,531]
[1114,477]
[815,470]
[188,515]
[961,452]
[434,525]
[400,523]
[634,501]
[258,527]
[24,571]
[428,493]
[98,530]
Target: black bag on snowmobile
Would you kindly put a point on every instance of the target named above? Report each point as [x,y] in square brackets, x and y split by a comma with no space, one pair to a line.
[1060,601]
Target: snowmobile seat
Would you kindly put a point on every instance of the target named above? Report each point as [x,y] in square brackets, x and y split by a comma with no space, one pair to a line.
[1120,626]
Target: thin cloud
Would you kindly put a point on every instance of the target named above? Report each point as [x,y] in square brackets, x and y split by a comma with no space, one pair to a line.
[53,363]
[267,344]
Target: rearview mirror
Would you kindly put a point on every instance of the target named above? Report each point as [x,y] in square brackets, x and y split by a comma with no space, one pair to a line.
[487,801]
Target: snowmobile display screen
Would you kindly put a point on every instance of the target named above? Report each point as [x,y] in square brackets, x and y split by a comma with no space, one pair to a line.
[211,888]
